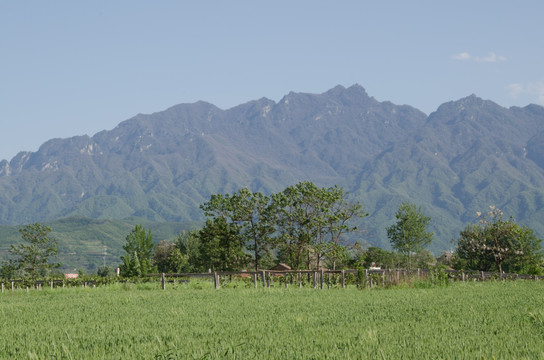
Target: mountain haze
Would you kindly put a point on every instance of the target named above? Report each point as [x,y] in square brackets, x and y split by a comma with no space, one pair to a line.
[460,159]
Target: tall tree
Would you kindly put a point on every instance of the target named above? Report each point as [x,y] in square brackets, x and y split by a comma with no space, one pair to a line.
[138,260]
[499,243]
[409,234]
[299,210]
[221,246]
[188,243]
[168,258]
[251,213]
[311,221]
[338,223]
[33,255]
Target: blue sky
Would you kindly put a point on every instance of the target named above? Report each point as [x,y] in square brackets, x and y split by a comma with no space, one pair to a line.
[71,68]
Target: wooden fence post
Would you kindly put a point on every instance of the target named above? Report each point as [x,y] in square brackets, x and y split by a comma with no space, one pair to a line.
[299,274]
[482,274]
[12,286]
[216,280]
[255,280]
[343,279]
[163,281]
[321,279]
[51,283]
[358,274]
[263,277]
[364,280]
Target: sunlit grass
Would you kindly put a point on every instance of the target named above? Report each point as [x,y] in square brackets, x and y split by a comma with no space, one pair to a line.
[465,320]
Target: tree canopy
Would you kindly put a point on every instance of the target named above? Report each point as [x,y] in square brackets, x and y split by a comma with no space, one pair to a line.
[139,253]
[498,243]
[32,256]
[304,223]
[409,234]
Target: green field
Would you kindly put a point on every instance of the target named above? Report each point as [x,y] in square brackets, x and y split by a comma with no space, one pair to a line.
[502,320]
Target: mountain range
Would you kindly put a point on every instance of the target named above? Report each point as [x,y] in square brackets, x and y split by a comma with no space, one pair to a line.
[465,156]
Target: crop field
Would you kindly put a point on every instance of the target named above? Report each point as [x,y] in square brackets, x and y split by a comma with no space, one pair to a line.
[502,320]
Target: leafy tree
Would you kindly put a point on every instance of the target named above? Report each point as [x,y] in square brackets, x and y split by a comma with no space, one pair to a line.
[424,259]
[188,243]
[378,256]
[251,213]
[502,244]
[33,255]
[105,271]
[446,259]
[168,258]
[300,217]
[310,222]
[338,257]
[221,246]
[8,270]
[340,213]
[304,223]
[409,234]
[139,253]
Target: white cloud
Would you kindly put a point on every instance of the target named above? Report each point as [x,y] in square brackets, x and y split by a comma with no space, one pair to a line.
[491,58]
[534,90]
[462,56]
[515,89]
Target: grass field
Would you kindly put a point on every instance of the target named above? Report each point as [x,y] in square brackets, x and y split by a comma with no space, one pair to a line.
[502,320]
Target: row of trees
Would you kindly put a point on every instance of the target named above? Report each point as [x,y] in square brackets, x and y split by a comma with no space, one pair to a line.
[303,226]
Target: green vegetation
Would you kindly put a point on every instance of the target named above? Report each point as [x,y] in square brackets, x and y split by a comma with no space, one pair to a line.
[499,244]
[304,226]
[304,223]
[137,260]
[462,321]
[82,241]
[466,155]
[32,257]
[409,234]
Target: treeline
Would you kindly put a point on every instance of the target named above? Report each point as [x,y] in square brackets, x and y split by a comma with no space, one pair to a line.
[304,226]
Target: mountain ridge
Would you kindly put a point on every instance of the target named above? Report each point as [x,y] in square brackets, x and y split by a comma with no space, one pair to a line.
[459,159]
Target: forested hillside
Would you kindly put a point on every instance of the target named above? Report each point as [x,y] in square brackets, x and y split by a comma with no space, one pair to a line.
[465,156]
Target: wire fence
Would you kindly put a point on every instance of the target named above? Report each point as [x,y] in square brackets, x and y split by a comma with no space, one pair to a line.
[318,279]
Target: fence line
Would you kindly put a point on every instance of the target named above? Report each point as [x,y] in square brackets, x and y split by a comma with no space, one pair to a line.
[369,278]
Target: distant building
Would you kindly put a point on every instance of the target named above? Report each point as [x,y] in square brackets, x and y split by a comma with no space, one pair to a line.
[71,276]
